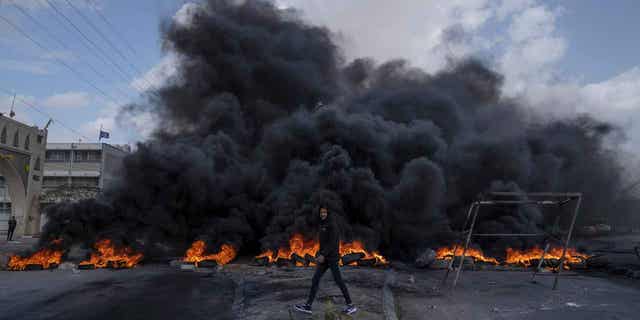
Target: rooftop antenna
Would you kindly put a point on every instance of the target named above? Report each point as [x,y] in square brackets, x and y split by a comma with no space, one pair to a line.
[11,113]
[48,123]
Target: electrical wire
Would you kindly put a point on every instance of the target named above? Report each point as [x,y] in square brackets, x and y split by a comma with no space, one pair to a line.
[66,65]
[112,27]
[126,75]
[65,46]
[107,40]
[48,116]
[114,30]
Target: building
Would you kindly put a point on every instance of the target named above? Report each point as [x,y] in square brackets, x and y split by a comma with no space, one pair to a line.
[75,171]
[69,172]
[22,148]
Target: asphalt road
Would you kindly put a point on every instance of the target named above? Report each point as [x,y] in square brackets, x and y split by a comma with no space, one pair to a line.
[142,293]
[511,295]
[163,292]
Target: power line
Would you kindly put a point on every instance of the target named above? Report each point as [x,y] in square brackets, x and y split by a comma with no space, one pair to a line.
[112,27]
[97,48]
[93,26]
[86,38]
[33,107]
[114,30]
[62,23]
[106,39]
[63,45]
[74,71]
[94,52]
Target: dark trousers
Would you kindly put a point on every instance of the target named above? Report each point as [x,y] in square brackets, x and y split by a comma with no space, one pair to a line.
[10,234]
[337,277]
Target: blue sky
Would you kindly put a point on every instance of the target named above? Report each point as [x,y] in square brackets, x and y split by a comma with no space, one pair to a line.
[40,79]
[558,56]
[601,37]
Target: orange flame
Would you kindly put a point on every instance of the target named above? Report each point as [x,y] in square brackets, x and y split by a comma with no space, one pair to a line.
[446,253]
[522,257]
[526,257]
[196,253]
[357,247]
[297,245]
[44,257]
[109,255]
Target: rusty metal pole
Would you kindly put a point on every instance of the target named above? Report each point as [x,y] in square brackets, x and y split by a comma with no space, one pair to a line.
[455,247]
[466,245]
[538,268]
[554,230]
[566,243]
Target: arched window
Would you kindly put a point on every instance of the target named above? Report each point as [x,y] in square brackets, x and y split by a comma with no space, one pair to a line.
[16,139]
[3,136]
[37,165]
[26,143]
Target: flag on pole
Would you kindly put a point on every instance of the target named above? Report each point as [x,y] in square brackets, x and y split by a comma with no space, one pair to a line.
[103,134]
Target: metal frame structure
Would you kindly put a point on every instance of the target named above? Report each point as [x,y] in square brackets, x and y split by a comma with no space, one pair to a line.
[559,199]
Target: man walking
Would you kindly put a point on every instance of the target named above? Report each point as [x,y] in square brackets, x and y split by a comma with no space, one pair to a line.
[327,259]
[12,227]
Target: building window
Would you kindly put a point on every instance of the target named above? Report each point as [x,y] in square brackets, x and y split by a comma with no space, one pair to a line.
[16,139]
[80,156]
[87,156]
[52,182]
[3,136]
[91,182]
[26,143]
[94,155]
[37,165]
[4,191]
[40,137]
[57,155]
[77,182]
[5,208]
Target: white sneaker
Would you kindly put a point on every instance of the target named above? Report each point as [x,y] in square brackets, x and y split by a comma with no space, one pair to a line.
[350,309]
[303,308]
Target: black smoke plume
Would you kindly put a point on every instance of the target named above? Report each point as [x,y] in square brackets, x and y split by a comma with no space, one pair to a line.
[265,120]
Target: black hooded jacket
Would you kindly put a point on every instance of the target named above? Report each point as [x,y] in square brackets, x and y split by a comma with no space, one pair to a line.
[329,239]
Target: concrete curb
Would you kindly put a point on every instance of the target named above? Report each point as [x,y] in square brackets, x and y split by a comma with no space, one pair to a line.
[388,303]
